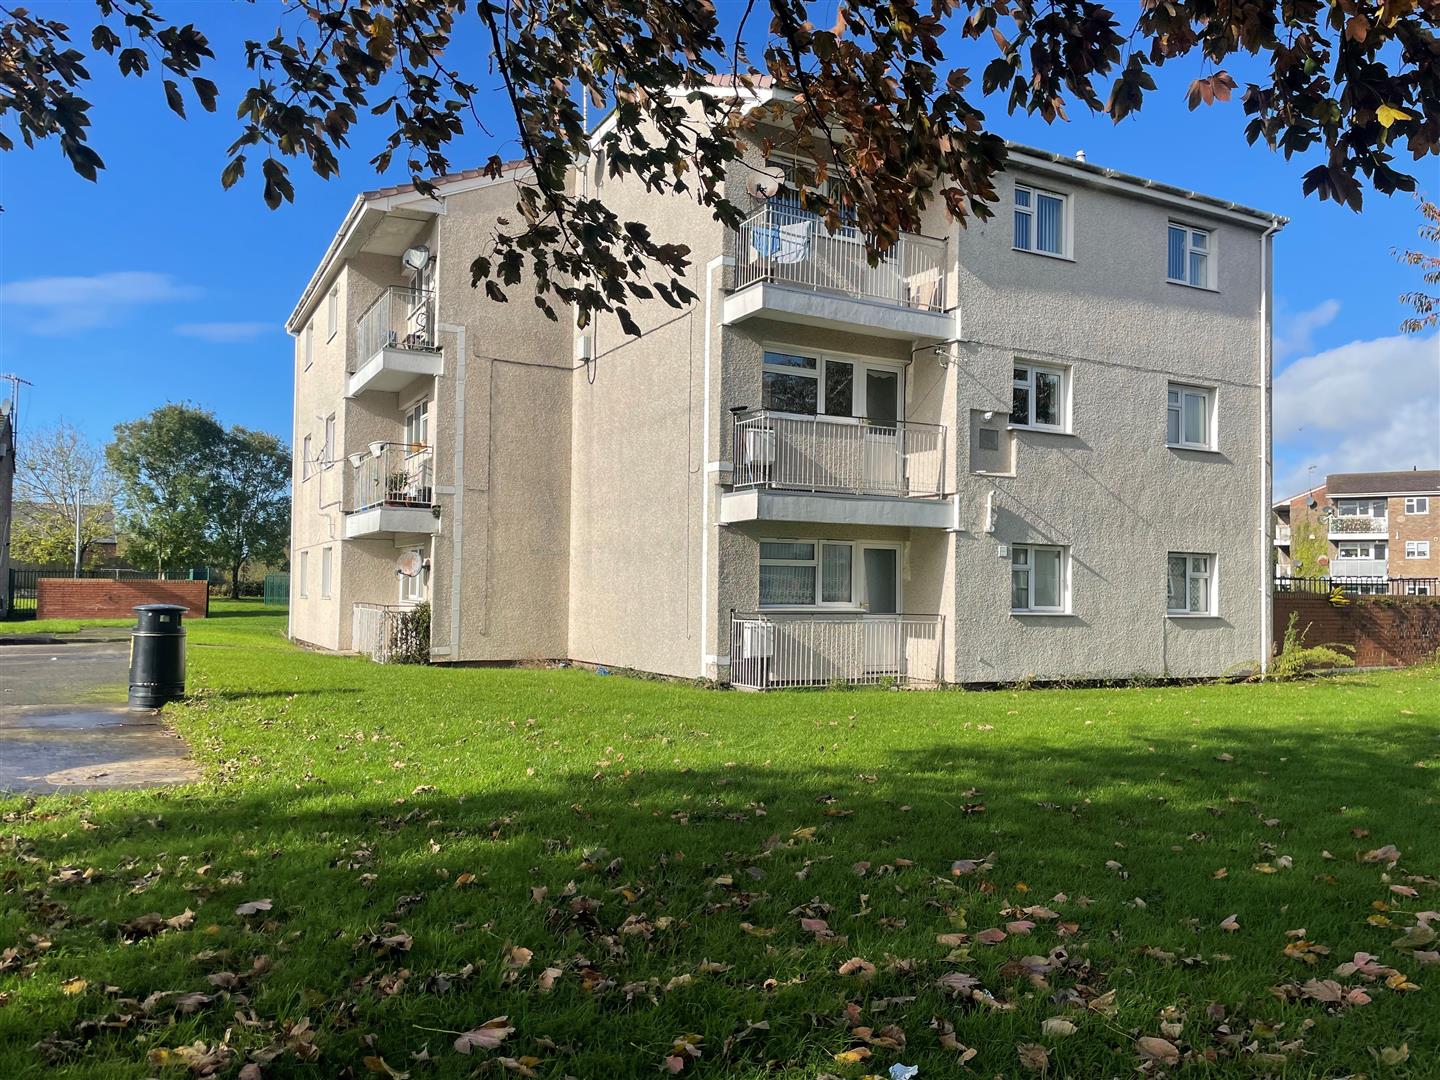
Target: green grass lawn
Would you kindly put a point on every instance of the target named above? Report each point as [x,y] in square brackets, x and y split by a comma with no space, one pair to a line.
[613,865]
[71,626]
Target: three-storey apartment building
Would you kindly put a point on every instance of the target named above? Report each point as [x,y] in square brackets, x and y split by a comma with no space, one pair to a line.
[1033,447]
[1371,527]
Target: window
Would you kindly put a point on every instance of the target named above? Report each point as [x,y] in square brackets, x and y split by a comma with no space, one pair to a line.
[1038,398]
[1187,417]
[332,312]
[1354,549]
[1418,588]
[791,383]
[1417,549]
[1418,504]
[306,461]
[1190,584]
[806,573]
[327,559]
[412,586]
[1037,578]
[824,385]
[1039,221]
[1189,256]
[304,574]
[328,450]
[309,345]
[417,424]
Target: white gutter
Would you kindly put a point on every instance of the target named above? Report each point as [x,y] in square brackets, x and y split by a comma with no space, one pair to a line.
[457,512]
[705,483]
[1267,380]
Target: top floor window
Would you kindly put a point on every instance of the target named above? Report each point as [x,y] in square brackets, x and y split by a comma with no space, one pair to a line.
[332,313]
[1040,221]
[1038,397]
[1189,256]
[1417,504]
[309,344]
[1187,417]
[1371,508]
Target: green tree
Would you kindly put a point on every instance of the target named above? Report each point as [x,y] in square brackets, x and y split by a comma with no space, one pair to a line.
[249,502]
[1353,86]
[64,498]
[165,465]
[1427,261]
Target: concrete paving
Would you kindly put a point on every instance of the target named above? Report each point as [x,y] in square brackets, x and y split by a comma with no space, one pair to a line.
[60,732]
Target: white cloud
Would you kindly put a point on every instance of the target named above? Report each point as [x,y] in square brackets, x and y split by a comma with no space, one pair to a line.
[1369,405]
[223,333]
[65,305]
[1295,330]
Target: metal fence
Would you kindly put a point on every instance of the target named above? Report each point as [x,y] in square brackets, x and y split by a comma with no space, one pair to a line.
[770,650]
[399,475]
[1360,586]
[277,590]
[381,632]
[792,246]
[839,454]
[22,588]
[399,318]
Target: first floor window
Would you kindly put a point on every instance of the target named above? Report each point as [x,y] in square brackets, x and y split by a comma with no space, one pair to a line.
[328,450]
[1371,508]
[1187,417]
[309,345]
[1038,396]
[304,574]
[1039,221]
[1417,549]
[792,383]
[306,460]
[806,573]
[327,561]
[1189,256]
[1354,549]
[417,423]
[1190,584]
[1037,578]
[1419,504]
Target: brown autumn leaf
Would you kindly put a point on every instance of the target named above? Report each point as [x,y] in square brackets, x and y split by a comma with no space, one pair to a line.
[487,1036]
[952,941]
[1389,855]
[1152,1048]
[1033,1056]
[517,957]
[253,907]
[381,1067]
[1230,923]
[957,982]
[945,1032]
[993,936]
[153,923]
[857,966]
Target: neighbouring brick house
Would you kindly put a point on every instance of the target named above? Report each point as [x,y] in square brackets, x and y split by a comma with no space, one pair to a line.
[1367,527]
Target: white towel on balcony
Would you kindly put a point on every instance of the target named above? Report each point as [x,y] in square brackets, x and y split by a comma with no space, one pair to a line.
[794,245]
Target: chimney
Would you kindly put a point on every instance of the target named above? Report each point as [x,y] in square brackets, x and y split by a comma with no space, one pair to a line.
[1079,155]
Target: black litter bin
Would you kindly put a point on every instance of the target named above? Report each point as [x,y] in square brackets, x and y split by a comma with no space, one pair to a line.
[157,656]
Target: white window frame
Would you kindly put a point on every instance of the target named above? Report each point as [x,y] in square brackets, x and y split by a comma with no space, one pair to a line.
[417,416]
[1417,588]
[1417,504]
[1208,251]
[1029,384]
[1029,211]
[1063,590]
[859,365]
[1369,550]
[327,572]
[307,463]
[1209,575]
[328,449]
[304,574]
[856,602]
[1417,549]
[332,313]
[1364,508]
[1182,390]
[413,590]
[309,344]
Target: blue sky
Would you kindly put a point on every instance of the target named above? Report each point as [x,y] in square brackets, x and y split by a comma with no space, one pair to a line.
[155,285]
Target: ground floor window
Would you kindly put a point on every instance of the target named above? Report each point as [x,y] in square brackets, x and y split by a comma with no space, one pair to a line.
[327,566]
[843,574]
[1190,584]
[1417,549]
[1037,578]
[413,572]
[304,574]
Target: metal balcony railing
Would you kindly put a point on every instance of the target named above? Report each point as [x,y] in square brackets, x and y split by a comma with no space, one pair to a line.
[1282,534]
[838,454]
[791,246]
[400,318]
[381,632]
[771,650]
[400,474]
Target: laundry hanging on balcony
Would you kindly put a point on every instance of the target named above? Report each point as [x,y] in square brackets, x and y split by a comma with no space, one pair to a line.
[781,243]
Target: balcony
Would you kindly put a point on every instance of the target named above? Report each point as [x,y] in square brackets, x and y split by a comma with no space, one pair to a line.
[392,493]
[1282,535]
[1350,569]
[774,650]
[790,267]
[1350,528]
[838,470]
[383,633]
[395,343]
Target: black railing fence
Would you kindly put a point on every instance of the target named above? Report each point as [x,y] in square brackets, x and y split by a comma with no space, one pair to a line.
[1360,586]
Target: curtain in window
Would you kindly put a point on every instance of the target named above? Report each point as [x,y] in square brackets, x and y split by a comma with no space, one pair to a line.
[1199,585]
[835,573]
[1022,219]
[1047,397]
[1047,579]
[1172,418]
[1175,584]
[1195,418]
[782,585]
[1176,265]
[1019,579]
[1049,223]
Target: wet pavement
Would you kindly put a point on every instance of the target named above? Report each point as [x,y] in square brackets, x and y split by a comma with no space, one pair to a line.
[64,727]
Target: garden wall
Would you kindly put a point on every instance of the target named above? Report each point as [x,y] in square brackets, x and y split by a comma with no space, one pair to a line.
[1386,631]
[97,598]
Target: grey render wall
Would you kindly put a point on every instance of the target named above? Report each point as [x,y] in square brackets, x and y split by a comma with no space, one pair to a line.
[1112,490]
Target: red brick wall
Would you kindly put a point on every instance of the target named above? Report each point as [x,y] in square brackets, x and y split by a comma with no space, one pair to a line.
[97,598]
[1386,631]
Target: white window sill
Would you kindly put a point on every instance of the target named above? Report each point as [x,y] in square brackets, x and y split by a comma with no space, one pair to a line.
[1187,285]
[1042,614]
[1191,615]
[1043,254]
[1041,428]
[1191,449]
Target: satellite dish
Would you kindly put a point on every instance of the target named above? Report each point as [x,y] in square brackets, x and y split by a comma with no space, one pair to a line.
[409,564]
[416,258]
[766,183]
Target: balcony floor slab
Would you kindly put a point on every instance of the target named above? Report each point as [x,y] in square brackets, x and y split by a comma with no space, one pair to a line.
[380,521]
[739,507]
[392,370]
[809,307]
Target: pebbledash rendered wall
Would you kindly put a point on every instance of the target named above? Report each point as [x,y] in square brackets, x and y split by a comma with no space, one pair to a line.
[97,598]
[1384,631]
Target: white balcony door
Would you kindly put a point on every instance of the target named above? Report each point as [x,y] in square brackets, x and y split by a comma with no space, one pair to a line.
[884,651]
[884,456]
